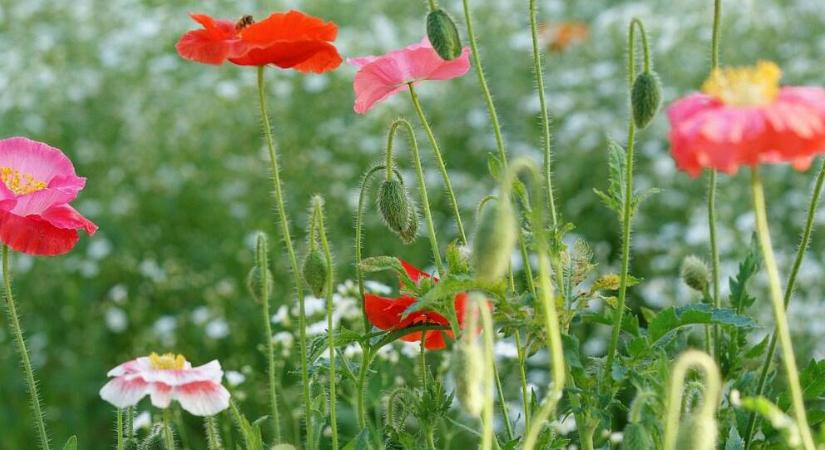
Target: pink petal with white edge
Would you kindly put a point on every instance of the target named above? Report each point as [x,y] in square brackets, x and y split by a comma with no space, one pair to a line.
[121,392]
[207,372]
[203,398]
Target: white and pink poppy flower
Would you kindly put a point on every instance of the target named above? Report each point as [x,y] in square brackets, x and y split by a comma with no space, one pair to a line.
[165,378]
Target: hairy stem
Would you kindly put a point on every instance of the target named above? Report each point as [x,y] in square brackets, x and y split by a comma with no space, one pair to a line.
[213,437]
[262,254]
[168,434]
[714,248]
[28,372]
[778,306]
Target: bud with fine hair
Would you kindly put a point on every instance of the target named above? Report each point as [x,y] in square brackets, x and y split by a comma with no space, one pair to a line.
[695,273]
[636,437]
[409,234]
[468,363]
[645,98]
[443,34]
[494,241]
[393,204]
[315,272]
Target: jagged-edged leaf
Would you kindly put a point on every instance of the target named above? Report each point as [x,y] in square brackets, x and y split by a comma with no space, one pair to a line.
[360,442]
[670,319]
[71,444]
[739,297]
[614,198]
[342,338]
[812,380]
[735,441]
[640,197]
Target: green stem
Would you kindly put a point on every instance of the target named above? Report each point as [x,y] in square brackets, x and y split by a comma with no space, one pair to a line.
[262,250]
[119,432]
[502,404]
[487,413]
[318,206]
[433,5]
[439,160]
[714,248]
[360,407]
[28,372]
[168,436]
[482,81]
[627,207]
[538,68]
[130,423]
[522,365]
[359,227]
[778,305]
[213,437]
[422,187]
[293,261]
[797,264]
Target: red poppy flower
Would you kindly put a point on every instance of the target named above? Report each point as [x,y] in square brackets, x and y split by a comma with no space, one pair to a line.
[386,313]
[291,40]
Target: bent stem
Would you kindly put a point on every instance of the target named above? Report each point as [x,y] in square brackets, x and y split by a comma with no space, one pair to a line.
[262,250]
[713,387]
[627,207]
[318,219]
[440,161]
[28,372]
[800,256]
[422,187]
[778,306]
[293,261]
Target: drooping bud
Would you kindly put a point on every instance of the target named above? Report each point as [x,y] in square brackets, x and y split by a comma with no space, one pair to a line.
[315,271]
[259,278]
[409,234]
[695,273]
[636,437]
[494,241]
[645,98]
[393,204]
[468,364]
[697,432]
[443,34]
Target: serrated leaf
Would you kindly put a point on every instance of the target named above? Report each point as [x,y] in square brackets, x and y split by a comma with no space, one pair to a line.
[739,297]
[641,197]
[812,380]
[734,442]
[672,318]
[360,442]
[614,198]
[71,444]
[342,338]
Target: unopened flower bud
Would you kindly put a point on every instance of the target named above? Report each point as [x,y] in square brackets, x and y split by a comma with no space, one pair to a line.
[253,283]
[695,273]
[409,234]
[697,432]
[394,205]
[636,437]
[315,271]
[494,241]
[443,35]
[645,98]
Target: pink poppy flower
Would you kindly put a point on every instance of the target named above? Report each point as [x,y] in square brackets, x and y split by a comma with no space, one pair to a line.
[38,183]
[165,378]
[380,77]
[743,117]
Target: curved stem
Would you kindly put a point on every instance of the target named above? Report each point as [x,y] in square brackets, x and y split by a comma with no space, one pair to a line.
[538,68]
[438,158]
[213,437]
[778,305]
[28,372]
[482,81]
[318,207]
[262,259]
[168,436]
[293,261]
[714,249]
[627,207]
[713,387]
[422,187]
[800,256]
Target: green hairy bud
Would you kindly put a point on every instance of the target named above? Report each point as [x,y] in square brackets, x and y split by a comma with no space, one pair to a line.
[443,34]
[646,97]
[468,364]
[695,273]
[494,241]
[394,205]
[409,234]
[315,271]
[697,432]
[636,437]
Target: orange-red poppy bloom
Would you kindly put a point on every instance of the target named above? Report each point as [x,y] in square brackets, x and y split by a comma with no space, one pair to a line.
[387,313]
[559,36]
[291,40]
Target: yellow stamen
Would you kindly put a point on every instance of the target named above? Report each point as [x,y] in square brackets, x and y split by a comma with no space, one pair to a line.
[20,183]
[167,361]
[745,86]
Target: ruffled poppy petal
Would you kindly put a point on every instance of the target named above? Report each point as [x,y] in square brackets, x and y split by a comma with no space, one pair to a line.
[385,313]
[43,162]
[33,235]
[413,272]
[161,395]
[214,44]
[289,26]
[203,398]
[304,56]
[66,217]
[122,393]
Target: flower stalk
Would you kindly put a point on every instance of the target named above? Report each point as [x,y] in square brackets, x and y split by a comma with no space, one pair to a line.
[714,248]
[707,413]
[262,259]
[22,350]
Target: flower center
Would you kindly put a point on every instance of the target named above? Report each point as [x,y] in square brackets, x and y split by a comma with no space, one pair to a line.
[745,86]
[167,361]
[244,22]
[20,183]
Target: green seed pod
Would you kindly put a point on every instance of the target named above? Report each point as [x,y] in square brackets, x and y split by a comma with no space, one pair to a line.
[409,234]
[646,97]
[443,34]
[697,433]
[253,283]
[494,241]
[695,273]
[315,271]
[636,437]
[468,365]
[393,204]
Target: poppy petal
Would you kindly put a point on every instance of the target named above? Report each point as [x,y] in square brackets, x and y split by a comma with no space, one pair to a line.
[34,235]
[290,26]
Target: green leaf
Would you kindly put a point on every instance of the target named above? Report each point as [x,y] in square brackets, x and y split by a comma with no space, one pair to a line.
[493,165]
[739,297]
[342,338]
[673,318]
[812,380]
[614,198]
[734,442]
[71,444]
[360,442]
